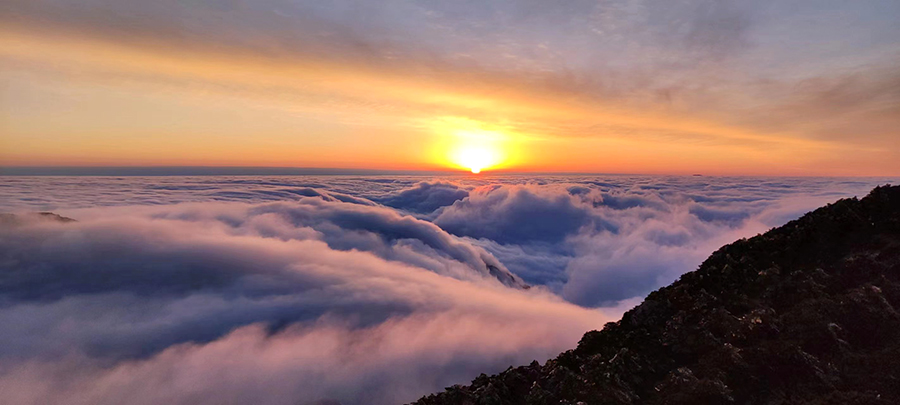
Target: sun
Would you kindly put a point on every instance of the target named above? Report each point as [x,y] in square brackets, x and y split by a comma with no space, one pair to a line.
[471,145]
[476,158]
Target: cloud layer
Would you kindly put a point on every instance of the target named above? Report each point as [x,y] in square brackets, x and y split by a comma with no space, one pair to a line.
[597,243]
[281,302]
[375,290]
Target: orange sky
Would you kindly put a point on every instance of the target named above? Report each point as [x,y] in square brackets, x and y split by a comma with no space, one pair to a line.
[78,95]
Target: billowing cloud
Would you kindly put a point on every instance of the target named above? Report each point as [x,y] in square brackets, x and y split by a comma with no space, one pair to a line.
[287,290]
[426,197]
[279,302]
[516,214]
[597,243]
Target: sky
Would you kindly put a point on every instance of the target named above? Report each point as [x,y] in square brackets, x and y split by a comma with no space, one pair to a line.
[614,86]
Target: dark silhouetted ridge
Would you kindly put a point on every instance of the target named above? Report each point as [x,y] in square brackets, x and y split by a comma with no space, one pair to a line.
[803,314]
[13,219]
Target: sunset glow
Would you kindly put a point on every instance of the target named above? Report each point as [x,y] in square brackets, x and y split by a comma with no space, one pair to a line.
[476,158]
[227,91]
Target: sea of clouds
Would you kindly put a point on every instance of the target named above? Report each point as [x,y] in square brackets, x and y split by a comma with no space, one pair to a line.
[356,290]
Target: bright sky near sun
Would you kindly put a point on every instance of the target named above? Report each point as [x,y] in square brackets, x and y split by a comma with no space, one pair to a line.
[635,86]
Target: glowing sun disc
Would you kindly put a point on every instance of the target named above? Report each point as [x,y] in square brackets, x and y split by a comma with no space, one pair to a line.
[475,158]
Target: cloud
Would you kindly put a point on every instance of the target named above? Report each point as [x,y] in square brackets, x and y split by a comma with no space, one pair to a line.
[394,362]
[597,243]
[425,197]
[278,302]
[517,214]
[346,227]
[312,298]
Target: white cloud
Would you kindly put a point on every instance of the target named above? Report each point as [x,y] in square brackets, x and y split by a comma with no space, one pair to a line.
[280,302]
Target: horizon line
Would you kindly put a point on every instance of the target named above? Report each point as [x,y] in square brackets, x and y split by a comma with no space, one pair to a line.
[161,171]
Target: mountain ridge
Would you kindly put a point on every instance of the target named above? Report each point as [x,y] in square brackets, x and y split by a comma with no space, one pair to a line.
[804,313]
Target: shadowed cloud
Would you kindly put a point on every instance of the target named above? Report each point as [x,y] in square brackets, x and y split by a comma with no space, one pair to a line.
[354,299]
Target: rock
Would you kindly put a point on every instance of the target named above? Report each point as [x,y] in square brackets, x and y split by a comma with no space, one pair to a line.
[806,313]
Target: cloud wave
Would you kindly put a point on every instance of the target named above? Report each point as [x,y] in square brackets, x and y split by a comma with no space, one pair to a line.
[279,302]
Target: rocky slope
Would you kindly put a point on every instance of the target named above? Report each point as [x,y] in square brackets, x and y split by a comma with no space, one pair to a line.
[803,314]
